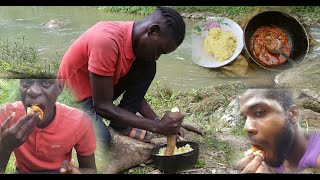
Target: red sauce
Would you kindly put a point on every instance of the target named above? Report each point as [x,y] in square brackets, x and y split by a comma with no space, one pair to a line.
[267,35]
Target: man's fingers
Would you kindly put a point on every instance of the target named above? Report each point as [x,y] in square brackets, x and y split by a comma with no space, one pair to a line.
[27,129]
[8,121]
[63,170]
[64,167]
[263,168]
[243,162]
[253,165]
[23,120]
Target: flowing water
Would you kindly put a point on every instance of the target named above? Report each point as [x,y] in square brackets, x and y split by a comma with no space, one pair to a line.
[52,30]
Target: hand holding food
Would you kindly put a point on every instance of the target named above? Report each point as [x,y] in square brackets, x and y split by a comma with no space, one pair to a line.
[69,168]
[253,162]
[14,136]
[254,150]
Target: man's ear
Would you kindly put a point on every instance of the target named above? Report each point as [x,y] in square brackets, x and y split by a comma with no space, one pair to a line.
[153,29]
[294,113]
[60,85]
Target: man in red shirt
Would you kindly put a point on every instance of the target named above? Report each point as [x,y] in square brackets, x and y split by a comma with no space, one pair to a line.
[44,144]
[112,58]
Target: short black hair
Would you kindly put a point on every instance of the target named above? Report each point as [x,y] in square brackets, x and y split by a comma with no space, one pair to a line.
[174,21]
[283,96]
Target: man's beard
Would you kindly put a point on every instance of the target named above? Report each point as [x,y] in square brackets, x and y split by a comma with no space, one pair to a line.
[284,145]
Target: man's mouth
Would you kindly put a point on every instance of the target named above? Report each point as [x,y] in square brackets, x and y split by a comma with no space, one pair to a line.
[36,107]
[42,107]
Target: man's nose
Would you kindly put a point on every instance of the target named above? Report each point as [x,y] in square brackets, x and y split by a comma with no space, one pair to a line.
[250,126]
[34,90]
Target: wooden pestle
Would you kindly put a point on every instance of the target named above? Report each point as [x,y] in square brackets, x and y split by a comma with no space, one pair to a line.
[172,139]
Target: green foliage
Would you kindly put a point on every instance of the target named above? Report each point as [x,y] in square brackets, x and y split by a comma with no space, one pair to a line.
[238,129]
[141,10]
[140,169]
[145,10]
[310,10]
[11,167]
[200,164]
[161,96]
[19,60]
[9,90]
[232,10]
[67,98]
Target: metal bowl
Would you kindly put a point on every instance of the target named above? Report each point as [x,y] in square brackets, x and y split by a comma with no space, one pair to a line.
[179,162]
[296,33]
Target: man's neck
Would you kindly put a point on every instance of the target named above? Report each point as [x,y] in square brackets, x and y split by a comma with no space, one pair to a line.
[300,145]
[48,120]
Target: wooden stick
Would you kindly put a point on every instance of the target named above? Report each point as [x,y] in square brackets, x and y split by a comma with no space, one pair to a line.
[192,127]
[172,139]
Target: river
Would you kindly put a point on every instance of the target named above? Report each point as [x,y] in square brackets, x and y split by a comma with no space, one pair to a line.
[175,69]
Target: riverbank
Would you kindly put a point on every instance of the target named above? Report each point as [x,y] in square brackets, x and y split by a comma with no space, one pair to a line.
[308,15]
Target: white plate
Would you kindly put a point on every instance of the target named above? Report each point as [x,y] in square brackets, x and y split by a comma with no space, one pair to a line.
[200,32]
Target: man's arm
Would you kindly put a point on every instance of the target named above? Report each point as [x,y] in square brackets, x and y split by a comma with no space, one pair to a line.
[4,158]
[102,93]
[87,164]
[146,111]
[318,162]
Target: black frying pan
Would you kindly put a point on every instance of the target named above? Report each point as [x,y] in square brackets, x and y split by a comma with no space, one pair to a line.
[294,30]
[175,163]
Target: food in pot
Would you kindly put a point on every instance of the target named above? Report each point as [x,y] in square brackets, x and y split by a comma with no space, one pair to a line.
[254,151]
[35,108]
[180,150]
[267,36]
[221,44]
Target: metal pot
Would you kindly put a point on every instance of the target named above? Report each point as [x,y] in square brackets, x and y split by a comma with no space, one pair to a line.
[175,163]
[296,33]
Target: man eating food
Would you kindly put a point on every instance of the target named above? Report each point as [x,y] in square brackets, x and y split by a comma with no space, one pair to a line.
[45,146]
[272,124]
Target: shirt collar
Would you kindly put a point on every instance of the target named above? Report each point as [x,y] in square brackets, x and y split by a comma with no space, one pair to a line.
[128,40]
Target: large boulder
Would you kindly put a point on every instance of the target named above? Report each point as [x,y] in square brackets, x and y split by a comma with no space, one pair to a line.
[304,81]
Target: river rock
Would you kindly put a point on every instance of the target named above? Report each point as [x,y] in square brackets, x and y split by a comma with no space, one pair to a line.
[309,99]
[53,24]
[232,113]
[304,81]
[311,117]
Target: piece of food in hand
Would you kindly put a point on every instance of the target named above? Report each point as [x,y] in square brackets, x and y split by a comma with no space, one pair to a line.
[254,151]
[35,108]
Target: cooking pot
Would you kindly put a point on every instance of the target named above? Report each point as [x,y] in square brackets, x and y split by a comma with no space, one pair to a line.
[175,163]
[296,33]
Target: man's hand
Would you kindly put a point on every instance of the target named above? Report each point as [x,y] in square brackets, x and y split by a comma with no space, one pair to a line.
[69,168]
[170,125]
[15,136]
[253,164]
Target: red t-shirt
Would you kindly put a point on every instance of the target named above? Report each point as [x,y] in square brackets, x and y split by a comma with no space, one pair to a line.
[104,49]
[46,148]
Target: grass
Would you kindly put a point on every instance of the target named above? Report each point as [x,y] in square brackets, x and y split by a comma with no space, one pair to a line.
[20,60]
[303,10]
[145,10]
[230,11]
[11,167]
[141,10]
